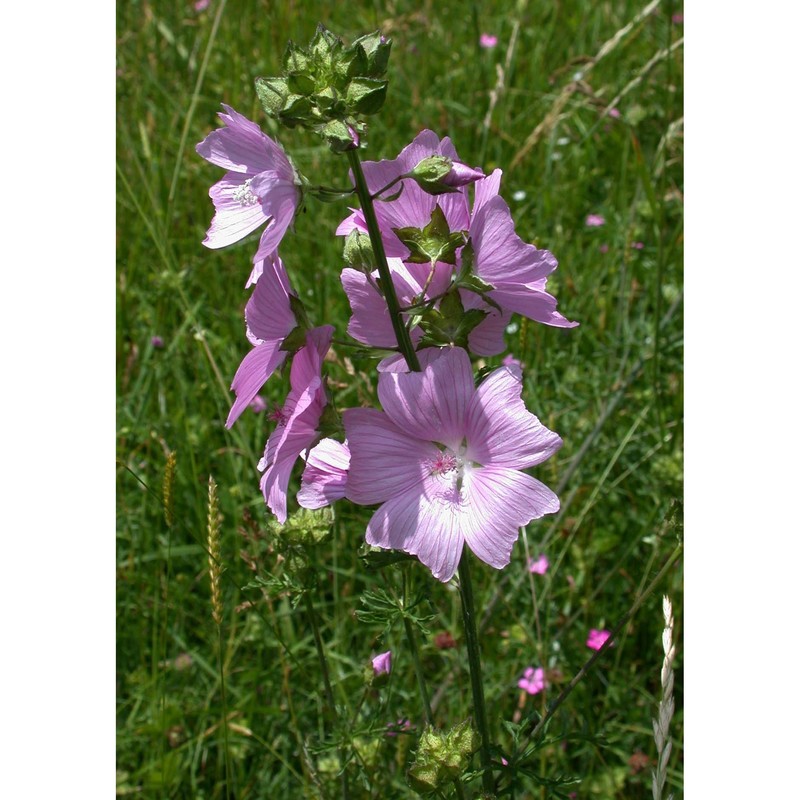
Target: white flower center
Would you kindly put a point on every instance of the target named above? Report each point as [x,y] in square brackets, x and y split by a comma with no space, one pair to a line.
[451,466]
[244,195]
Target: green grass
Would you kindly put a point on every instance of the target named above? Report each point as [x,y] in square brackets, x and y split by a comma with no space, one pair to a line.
[612,389]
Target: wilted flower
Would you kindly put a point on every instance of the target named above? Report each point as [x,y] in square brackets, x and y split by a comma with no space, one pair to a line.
[260,186]
[297,421]
[597,638]
[532,680]
[488,41]
[595,221]
[445,461]
[270,320]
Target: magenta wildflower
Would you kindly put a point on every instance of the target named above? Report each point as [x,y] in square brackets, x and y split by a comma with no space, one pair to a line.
[532,680]
[677,19]
[603,248]
[382,664]
[393,728]
[156,342]
[595,221]
[597,638]
[638,245]
[614,113]
[270,320]
[325,476]
[444,459]
[201,5]
[299,418]
[261,185]
[539,565]
[488,41]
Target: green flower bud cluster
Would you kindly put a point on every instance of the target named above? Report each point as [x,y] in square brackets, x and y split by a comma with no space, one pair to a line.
[302,531]
[442,756]
[327,86]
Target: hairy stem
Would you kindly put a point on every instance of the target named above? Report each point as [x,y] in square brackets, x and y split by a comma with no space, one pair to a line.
[401,334]
[474,655]
[412,644]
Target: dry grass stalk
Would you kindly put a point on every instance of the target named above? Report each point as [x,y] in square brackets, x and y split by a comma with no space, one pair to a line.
[168,495]
[214,559]
[666,707]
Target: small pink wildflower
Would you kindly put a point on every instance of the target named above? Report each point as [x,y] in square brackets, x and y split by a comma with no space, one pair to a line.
[614,113]
[157,342]
[638,245]
[503,761]
[595,221]
[382,663]
[603,248]
[597,639]
[677,19]
[393,728]
[539,565]
[201,5]
[258,404]
[532,680]
[488,41]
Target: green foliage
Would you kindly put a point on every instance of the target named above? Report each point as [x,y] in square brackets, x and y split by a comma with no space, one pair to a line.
[612,389]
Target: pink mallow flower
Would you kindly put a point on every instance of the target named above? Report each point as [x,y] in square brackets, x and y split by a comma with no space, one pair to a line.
[445,462]
[516,271]
[532,680]
[539,565]
[596,638]
[595,221]
[382,664]
[270,320]
[488,41]
[325,476]
[297,420]
[261,185]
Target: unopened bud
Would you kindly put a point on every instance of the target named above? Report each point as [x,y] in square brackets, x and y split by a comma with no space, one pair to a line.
[441,174]
[358,252]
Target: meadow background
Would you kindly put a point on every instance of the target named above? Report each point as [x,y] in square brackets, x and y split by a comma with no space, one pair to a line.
[535,105]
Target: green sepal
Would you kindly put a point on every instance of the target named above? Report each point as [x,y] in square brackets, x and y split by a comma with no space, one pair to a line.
[468,280]
[330,424]
[272,93]
[430,172]
[323,47]
[376,558]
[299,311]
[338,135]
[295,59]
[450,324]
[358,252]
[377,53]
[300,83]
[365,95]
[296,110]
[295,340]
[434,242]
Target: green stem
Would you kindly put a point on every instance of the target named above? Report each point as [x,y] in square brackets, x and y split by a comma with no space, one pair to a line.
[401,334]
[412,644]
[474,655]
[326,679]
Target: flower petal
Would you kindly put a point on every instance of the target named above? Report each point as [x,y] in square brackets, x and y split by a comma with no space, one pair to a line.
[532,302]
[432,404]
[500,431]
[268,313]
[254,371]
[325,476]
[423,521]
[384,461]
[241,146]
[500,502]
[232,220]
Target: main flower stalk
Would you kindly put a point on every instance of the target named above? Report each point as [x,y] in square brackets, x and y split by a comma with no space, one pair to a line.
[474,656]
[401,333]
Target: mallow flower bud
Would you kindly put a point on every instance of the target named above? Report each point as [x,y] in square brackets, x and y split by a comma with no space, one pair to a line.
[440,174]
